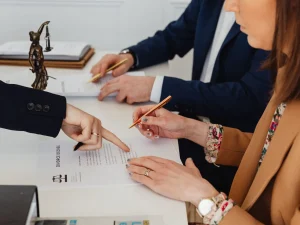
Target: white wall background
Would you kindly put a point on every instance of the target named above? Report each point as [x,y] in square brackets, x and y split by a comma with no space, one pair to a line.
[106,24]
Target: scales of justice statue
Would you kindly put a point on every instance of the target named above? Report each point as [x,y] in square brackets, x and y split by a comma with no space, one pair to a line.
[36,57]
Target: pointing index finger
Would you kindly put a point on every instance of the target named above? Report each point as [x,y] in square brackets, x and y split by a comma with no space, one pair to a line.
[107,135]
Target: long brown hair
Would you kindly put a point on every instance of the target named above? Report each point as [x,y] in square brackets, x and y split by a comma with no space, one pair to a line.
[287,34]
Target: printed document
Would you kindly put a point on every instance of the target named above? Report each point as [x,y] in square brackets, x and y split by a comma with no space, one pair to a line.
[65,84]
[60,167]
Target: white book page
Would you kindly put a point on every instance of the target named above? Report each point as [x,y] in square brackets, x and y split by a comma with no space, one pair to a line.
[59,48]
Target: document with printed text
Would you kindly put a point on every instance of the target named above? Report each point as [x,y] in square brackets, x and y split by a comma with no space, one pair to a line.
[65,84]
[60,167]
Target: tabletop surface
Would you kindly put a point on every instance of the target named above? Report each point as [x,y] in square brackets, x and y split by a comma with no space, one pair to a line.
[18,165]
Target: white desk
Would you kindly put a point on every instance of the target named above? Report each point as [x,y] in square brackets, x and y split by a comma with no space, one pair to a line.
[19,167]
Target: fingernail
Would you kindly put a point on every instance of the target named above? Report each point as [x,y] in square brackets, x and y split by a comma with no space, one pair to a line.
[156,136]
[144,119]
[149,134]
[190,159]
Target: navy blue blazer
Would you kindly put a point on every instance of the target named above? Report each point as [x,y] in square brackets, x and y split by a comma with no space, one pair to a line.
[30,110]
[239,89]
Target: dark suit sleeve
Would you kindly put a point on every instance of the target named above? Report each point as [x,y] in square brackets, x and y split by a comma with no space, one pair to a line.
[176,39]
[33,111]
[228,100]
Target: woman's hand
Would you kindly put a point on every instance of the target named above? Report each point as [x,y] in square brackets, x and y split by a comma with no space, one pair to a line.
[163,123]
[171,179]
[85,128]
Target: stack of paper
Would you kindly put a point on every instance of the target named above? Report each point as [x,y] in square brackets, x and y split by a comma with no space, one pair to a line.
[65,84]
[62,51]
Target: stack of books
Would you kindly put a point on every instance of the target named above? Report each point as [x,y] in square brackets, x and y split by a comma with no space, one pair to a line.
[63,54]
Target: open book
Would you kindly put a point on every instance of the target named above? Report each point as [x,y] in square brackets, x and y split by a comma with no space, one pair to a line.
[62,51]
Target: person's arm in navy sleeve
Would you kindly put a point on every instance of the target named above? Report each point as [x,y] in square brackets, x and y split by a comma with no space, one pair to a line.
[30,110]
[250,94]
[176,39]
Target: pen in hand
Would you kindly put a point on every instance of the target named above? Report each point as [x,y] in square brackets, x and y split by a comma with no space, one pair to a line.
[156,107]
[107,135]
[81,144]
[78,146]
[108,70]
[88,130]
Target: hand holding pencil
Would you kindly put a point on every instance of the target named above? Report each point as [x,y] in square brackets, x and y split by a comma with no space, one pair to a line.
[152,109]
[160,123]
[110,60]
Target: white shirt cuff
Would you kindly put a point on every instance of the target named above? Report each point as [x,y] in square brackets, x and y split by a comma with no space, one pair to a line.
[157,89]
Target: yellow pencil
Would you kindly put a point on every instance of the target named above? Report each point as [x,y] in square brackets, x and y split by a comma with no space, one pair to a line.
[99,75]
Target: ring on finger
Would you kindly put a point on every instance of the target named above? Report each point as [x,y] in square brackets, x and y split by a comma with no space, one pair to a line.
[147,172]
[95,134]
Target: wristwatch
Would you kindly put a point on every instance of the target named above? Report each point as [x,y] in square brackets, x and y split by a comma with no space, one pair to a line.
[205,207]
[125,51]
[128,51]
[208,206]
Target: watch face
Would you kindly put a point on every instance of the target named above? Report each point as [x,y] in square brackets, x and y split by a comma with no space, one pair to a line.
[125,51]
[205,206]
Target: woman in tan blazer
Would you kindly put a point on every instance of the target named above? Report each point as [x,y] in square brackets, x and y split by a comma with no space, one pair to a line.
[266,188]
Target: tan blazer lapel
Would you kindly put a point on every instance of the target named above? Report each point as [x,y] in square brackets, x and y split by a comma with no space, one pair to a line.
[285,133]
[248,167]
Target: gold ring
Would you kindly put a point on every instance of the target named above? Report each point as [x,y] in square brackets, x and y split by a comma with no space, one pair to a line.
[147,172]
[95,134]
